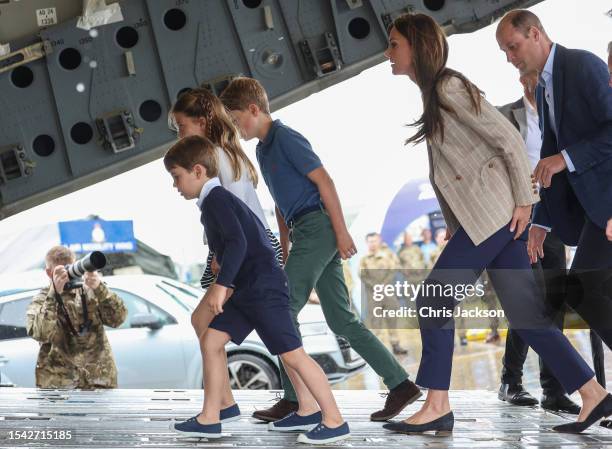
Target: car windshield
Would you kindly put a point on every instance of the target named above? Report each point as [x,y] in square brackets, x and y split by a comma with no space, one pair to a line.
[184,295]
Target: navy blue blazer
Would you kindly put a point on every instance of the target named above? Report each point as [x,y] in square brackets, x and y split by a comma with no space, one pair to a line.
[239,241]
[583,115]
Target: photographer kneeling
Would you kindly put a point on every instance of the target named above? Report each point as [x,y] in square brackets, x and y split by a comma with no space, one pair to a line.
[68,319]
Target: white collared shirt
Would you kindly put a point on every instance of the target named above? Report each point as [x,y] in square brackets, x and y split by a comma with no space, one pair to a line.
[533,137]
[206,188]
[546,80]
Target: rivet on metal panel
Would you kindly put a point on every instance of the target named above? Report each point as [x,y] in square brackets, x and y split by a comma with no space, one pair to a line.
[129,63]
[268,17]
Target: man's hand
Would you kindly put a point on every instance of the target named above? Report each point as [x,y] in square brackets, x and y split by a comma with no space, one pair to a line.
[215,297]
[92,279]
[535,244]
[548,167]
[520,220]
[609,227]
[60,278]
[345,245]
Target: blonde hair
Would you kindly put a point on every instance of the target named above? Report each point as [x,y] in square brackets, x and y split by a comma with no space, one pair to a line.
[59,255]
[220,128]
[243,91]
[192,150]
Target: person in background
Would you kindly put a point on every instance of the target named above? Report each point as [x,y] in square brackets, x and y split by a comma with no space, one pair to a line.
[69,325]
[427,246]
[379,267]
[410,255]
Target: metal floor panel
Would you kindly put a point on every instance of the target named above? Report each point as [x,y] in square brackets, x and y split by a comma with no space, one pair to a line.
[141,418]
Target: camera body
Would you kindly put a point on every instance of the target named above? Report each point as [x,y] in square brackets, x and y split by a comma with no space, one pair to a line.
[91,262]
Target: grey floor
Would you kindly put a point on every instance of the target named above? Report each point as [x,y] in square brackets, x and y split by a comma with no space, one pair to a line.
[141,418]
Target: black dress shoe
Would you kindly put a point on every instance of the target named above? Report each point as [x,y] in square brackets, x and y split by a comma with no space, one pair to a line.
[441,426]
[559,403]
[603,409]
[515,394]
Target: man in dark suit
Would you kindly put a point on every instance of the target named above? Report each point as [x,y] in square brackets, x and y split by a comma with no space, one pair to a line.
[550,273]
[575,109]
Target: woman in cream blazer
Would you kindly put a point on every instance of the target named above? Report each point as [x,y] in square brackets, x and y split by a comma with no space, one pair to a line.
[481,176]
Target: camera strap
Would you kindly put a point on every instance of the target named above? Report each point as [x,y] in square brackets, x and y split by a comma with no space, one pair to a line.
[84,327]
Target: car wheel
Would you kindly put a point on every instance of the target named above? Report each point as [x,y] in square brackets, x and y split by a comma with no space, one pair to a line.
[251,372]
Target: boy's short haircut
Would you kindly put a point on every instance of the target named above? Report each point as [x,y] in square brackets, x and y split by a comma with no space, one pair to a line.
[243,91]
[59,255]
[192,150]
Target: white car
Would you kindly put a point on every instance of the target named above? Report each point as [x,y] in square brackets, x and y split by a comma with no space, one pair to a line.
[156,346]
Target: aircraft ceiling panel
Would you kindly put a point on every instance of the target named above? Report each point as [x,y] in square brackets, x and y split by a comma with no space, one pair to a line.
[29,134]
[104,74]
[193,43]
[268,51]
[80,106]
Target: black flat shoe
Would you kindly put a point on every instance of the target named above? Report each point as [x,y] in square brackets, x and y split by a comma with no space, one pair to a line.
[515,394]
[559,403]
[441,426]
[603,409]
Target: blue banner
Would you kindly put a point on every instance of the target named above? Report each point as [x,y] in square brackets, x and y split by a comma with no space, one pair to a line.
[84,236]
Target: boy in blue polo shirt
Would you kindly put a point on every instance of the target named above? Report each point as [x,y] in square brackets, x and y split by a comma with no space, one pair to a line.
[308,205]
[249,293]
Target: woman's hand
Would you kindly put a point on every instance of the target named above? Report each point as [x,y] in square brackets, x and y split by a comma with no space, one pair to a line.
[520,220]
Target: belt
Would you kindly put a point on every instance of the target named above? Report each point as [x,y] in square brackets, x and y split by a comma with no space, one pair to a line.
[301,213]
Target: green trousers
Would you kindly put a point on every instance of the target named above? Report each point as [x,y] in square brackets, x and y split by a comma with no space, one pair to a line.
[314,262]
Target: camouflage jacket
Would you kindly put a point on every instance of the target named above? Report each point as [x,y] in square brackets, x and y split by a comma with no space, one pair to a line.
[435,255]
[379,268]
[411,258]
[66,360]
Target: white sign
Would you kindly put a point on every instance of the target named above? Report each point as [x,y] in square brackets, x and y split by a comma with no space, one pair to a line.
[46,17]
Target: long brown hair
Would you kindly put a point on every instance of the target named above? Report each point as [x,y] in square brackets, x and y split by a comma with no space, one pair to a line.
[430,54]
[220,128]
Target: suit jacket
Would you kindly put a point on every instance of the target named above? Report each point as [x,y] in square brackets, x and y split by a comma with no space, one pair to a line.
[239,241]
[515,112]
[583,115]
[480,172]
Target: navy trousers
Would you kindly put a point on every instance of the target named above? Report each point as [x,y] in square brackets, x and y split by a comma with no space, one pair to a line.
[507,263]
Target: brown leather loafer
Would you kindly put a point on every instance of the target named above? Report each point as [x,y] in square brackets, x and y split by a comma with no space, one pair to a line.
[278,411]
[404,394]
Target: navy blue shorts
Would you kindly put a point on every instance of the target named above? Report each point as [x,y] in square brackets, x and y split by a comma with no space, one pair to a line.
[265,310]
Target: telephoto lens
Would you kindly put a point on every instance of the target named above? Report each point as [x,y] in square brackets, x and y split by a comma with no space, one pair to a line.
[91,262]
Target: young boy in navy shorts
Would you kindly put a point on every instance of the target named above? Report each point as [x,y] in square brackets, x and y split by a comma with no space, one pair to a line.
[250,293]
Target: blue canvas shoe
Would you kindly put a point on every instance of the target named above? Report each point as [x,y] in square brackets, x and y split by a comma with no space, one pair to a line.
[293,422]
[229,414]
[192,428]
[324,435]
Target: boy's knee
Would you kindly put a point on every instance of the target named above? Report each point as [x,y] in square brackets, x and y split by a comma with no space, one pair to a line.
[212,343]
[195,322]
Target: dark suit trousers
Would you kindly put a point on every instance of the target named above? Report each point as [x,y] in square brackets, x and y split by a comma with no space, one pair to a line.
[589,290]
[551,276]
[507,263]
